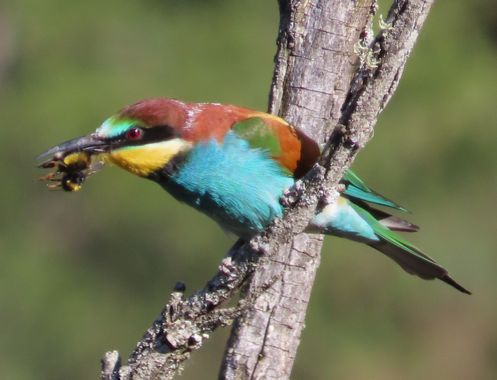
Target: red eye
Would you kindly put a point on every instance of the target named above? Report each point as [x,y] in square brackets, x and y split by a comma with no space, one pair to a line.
[134,134]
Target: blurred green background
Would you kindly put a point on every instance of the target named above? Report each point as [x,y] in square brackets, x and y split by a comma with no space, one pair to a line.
[87,272]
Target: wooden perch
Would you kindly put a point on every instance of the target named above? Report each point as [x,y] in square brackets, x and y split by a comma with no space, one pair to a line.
[332,79]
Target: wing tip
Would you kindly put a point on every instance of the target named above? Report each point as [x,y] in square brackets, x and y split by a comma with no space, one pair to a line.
[394,223]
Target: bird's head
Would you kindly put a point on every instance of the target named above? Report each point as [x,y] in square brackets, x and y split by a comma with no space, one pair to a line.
[141,138]
[136,146]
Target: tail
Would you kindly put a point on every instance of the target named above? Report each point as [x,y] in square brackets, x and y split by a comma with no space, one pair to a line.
[415,262]
[409,257]
[353,217]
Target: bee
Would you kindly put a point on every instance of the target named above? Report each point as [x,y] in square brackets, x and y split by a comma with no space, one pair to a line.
[71,170]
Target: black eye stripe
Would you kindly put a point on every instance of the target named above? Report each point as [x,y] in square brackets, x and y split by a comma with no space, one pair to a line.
[158,133]
[150,135]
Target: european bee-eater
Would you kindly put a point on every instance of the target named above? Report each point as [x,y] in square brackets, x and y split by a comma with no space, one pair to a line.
[234,164]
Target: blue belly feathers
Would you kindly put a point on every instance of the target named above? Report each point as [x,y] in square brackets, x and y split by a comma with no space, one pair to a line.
[234,184]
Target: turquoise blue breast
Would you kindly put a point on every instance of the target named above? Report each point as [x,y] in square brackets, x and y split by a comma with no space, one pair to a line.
[236,185]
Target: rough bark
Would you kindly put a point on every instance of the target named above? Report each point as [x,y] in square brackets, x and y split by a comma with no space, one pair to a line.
[315,64]
[265,339]
[332,78]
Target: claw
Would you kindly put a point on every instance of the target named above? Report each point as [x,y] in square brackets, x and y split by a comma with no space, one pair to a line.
[54,186]
[47,164]
[48,177]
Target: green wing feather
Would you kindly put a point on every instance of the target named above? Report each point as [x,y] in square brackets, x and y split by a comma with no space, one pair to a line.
[258,134]
[356,188]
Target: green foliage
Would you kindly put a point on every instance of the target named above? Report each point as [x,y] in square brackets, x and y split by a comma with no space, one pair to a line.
[87,272]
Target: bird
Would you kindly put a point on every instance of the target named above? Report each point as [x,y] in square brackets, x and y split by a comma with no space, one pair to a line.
[234,164]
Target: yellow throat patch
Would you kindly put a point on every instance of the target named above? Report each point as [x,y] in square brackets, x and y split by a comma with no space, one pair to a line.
[143,160]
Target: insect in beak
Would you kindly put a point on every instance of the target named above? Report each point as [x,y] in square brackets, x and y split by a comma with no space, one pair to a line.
[73,161]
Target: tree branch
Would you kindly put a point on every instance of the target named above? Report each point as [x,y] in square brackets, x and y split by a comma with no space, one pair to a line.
[264,340]
[330,71]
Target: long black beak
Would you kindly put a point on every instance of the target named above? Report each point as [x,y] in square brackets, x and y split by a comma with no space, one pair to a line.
[91,144]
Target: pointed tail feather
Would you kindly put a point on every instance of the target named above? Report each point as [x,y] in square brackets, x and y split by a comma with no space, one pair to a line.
[449,280]
[408,256]
[418,264]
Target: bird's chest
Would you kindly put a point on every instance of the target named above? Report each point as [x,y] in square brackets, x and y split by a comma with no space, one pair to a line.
[239,187]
